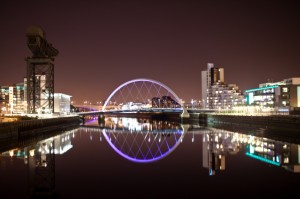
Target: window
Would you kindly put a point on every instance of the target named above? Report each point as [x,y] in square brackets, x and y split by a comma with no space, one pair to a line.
[284,89]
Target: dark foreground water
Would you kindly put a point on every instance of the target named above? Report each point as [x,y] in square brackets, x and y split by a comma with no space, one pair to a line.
[130,158]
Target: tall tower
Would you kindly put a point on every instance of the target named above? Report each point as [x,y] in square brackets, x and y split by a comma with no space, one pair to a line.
[40,72]
[204,77]
[211,76]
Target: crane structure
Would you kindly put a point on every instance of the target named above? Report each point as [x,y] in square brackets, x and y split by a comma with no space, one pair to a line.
[39,83]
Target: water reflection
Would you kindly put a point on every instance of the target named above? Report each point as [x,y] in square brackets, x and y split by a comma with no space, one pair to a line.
[145,141]
[142,141]
[40,161]
[218,143]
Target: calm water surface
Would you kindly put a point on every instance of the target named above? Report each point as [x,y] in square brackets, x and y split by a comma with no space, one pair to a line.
[131,158]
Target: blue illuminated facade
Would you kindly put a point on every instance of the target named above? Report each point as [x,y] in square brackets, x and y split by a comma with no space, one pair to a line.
[278,96]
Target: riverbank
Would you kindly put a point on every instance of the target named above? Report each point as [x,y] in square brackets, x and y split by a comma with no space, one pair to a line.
[270,121]
[26,128]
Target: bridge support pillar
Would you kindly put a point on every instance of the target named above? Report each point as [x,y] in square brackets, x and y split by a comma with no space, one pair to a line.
[185,116]
[101,118]
[82,119]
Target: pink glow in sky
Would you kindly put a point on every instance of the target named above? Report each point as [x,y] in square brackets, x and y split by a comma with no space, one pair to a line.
[103,44]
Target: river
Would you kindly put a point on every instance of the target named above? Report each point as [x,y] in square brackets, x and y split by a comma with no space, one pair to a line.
[141,158]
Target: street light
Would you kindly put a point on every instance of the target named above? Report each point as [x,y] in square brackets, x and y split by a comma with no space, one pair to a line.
[192,102]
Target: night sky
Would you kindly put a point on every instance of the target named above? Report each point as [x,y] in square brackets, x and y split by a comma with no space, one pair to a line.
[103,44]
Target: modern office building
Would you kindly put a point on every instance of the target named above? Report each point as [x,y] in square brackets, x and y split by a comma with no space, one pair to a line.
[4,99]
[12,99]
[276,96]
[216,94]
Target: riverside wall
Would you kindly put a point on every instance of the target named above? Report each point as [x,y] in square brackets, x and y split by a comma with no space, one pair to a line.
[285,122]
[289,122]
[22,129]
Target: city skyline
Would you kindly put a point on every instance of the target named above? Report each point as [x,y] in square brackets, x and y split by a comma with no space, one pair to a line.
[104,44]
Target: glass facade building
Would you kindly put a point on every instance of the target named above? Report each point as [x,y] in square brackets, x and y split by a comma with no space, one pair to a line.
[277,96]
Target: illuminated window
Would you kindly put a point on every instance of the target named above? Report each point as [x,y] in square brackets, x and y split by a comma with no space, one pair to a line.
[284,89]
[284,103]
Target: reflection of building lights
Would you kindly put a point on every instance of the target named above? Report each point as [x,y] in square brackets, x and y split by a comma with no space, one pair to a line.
[193,138]
[31,152]
[286,160]
[11,153]
[263,159]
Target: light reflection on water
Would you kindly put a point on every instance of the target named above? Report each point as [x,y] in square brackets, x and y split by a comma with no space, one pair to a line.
[147,141]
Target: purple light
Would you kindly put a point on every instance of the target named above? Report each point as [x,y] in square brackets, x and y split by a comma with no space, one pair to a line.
[134,159]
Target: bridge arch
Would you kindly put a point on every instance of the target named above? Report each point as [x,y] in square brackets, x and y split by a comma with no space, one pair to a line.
[160,89]
[149,156]
[143,140]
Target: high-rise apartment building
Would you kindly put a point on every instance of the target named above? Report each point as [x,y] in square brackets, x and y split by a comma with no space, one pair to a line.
[215,93]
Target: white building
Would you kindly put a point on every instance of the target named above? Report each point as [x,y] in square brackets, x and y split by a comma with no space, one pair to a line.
[62,103]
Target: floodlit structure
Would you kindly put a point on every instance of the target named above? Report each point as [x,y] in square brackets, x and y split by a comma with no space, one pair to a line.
[62,103]
[40,72]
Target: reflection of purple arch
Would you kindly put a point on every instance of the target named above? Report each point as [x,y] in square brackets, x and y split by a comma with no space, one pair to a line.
[141,80]
[143,160]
